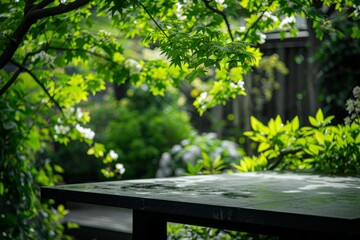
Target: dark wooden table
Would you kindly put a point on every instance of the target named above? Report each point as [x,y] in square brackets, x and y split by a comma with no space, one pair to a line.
[290,205]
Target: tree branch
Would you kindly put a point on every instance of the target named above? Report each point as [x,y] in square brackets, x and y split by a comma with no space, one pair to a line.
[24,69]
[10,82]
[36,13]
[221,13]
[60,9]
[43,4]
[257,20]
[282,154]
[156,23]
[28,5]
[78,49]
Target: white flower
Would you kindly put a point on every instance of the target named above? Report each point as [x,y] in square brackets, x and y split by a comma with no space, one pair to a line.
[202,97]
[120,167]
[176,148]
[133,66]
[79,114]
[261,35]
[286,22]
[268,15]
[165,160]
[210,135]
[221,3]
[185,142]
[242,29]
[194,150]
[113,155]
[86,132]
[61,129]
[241,84]
[179,11]
[189,156]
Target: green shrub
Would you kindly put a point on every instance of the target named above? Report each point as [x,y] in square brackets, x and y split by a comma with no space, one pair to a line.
[199,154]
[138,128]
[320,146]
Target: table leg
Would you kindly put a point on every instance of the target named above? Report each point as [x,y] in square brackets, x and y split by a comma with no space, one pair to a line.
[148,225]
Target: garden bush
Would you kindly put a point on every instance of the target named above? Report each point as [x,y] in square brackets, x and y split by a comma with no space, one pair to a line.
[321,147]
[199,153]
[138,128]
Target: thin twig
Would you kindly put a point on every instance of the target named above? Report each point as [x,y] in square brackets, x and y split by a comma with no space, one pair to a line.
[257,20]
[152,18]
[38,82]
[221,13]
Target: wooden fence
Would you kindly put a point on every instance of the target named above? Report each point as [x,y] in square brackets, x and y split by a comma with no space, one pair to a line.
[295,95]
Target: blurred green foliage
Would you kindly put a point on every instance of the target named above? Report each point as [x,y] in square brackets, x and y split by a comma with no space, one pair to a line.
[139,127]
[199,154]
[43,43]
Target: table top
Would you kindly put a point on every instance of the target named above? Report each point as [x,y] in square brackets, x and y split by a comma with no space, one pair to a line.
[263,197]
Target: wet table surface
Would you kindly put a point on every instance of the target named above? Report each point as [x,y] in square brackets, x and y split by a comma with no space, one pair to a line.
[265,202]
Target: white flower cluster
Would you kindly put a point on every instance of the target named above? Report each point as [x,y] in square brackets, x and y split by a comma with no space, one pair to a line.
[78,114]
[43,56]
[179,11]
[242,29]
[86,132]
[120,167]
[221,2]
[268,15]
[202,99]
[238,85]
[191,155]
[175,161]
[165,166]
[113,155]
[133,66]
[103,33]
[261,35]
[285,23]
[356,11]
[61,129]
[69,113]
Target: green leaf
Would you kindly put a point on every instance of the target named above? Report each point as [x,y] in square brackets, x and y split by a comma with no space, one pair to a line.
[313,121]
[357,139]
[315,149]
[2,188]
[192,75]
[295,124]
[263,146]
[207,160]
[71,225]
[319,116]
[58,169]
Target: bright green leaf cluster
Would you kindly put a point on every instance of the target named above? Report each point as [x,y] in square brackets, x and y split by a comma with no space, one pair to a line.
[287,146]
